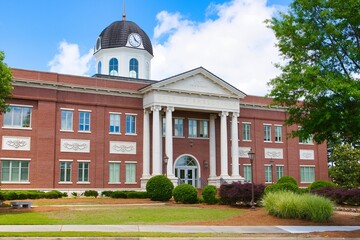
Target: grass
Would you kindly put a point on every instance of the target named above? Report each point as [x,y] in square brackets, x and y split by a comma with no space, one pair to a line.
[291,205]
[128,215]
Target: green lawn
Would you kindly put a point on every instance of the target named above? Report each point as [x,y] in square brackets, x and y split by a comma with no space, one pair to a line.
[122,215]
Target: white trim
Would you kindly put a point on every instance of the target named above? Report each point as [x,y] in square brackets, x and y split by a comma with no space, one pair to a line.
[16,159]
[133,114]
[88,161]
[130,182]
[20,105]
[114,161]
[65,183]
[267,124]
[118,113]
[131,162]
[67,109]
[6,182]
[114,183]
[67,131]
[84,131]
[65,160]
[246,123]
[307,165]
[84,110]
[82,183]
[17,128]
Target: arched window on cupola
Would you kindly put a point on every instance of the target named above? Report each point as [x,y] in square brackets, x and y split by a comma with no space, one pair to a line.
[99,67]
[133,68]
[113,67]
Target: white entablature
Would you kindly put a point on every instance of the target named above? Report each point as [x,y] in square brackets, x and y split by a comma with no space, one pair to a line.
[195,89]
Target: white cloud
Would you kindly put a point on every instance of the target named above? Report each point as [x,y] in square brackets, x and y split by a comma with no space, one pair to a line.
[235,45]
[68,60]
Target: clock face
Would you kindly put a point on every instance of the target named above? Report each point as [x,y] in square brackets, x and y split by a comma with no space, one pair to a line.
[134,39]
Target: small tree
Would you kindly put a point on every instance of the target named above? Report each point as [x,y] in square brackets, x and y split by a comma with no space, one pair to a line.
[346,169]
[159,188]
[5,83]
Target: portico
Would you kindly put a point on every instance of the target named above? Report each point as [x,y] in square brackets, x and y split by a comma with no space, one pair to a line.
[196,91]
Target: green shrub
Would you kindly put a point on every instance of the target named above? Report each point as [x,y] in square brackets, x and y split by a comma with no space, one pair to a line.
[2,197]
[159,188]
[319,184]
[287,179]
[118,194]
[209,194]
[282,187]
[53,194]
[134,194]
[106,193]
[185,193]
[91,193]
[291,205]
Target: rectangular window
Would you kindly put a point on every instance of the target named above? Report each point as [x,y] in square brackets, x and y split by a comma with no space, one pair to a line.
[204,129]
[267,133]
[14,171]
[279,172]
[246,131]
[307,174]
[247,173]
[83,171]
[164,126]
[178,127]
[268,174]
[18,117]
[130,172]
[305,140]
[65,171]
[278,133]
[84,121]
[192,128]
[114,123]
[66,120]
[130,124]
[114,172]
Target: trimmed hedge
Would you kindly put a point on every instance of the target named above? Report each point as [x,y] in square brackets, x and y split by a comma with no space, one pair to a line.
[185,193]
[118,194]
[30,194]
[237,193]
[159,188]
[91,193]
[209,194]
[319,184]
[287,179]
[287,186]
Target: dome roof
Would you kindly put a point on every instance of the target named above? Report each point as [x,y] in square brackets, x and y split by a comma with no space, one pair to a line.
[116,35]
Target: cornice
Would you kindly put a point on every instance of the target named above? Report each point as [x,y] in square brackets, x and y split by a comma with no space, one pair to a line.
[262,107]
[75,88]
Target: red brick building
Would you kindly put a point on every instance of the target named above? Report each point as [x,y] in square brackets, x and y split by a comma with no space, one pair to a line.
[117,129]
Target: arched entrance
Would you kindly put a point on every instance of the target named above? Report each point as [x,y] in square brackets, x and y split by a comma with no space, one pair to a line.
[187,170]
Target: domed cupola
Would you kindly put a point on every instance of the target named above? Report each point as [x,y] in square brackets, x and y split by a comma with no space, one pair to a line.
[123,49]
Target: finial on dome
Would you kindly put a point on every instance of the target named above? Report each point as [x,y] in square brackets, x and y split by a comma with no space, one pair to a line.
[124,11]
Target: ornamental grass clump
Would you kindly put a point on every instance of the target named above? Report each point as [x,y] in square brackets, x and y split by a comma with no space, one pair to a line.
[291,205]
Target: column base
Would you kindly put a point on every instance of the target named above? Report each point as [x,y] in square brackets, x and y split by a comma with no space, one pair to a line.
[143,181]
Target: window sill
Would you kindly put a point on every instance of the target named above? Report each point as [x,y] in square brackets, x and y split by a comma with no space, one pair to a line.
[18,128]
[178,136]
[267,141]
[114,133]
[84,131]
[130,134]
[206,138]
[310,144]
[278,142]
[5,182]
[246,140]
[114,182]
[83,183]
[65,182]
[66,130]
[130,182]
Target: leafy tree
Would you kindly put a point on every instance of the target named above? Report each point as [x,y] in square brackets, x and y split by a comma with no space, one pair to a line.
[320,43]
[346,169]
[5,83]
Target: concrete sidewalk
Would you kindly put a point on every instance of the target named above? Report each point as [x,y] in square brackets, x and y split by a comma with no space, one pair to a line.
[174,229]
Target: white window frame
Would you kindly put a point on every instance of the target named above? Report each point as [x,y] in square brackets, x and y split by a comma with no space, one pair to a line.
[119,123]
[71,120]
[248,179]
[307,167]
[82,181]
[269,173]
[265,133]
[278,138]
[133,175]
[65,175]
[192,128]
[132,131]
[203,128]
[12,126]
[11,160]
[277,172]
[246,135]
[178,133]
[119,163]
[84,123]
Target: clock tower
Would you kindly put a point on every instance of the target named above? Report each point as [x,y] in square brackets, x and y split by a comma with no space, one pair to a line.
[123,49]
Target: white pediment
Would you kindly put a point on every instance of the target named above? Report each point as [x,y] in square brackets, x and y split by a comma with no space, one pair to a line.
[198,81]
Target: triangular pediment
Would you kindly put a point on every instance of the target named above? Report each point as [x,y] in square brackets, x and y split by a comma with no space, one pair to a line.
[199,82]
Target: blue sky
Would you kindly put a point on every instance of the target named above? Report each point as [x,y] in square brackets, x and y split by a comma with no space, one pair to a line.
[32,31]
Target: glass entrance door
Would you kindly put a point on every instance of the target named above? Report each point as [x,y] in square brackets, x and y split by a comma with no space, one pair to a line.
[186,176]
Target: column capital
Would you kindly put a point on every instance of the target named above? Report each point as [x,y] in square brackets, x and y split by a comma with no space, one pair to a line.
[236,114]
[224,114]
[170,109]
[155,108]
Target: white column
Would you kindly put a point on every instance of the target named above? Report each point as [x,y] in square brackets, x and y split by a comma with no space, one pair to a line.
[235,145]
[212,147]
[156,155]
[224,145]
[146,145]
[169,141]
